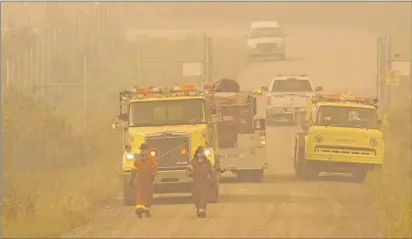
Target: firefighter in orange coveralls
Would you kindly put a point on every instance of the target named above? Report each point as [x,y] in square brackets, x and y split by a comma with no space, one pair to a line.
[201,170]
[146,171]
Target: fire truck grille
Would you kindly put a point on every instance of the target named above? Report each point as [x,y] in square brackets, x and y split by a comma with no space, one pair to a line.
[171,151]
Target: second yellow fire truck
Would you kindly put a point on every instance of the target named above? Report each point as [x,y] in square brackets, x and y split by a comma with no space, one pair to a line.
[341,134]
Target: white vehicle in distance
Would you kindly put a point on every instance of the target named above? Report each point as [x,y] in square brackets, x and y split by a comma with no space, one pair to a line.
[266,39]
[287,98]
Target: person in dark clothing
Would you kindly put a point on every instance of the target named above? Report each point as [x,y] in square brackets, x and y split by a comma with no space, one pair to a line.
[145,172]
[201,170]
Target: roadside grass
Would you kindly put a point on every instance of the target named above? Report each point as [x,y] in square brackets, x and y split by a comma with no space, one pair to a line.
[54,177]
[392,187]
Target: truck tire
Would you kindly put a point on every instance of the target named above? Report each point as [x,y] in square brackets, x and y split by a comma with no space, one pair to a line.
[359,176]
[129,192]
[214,194]
[377,169]
[310,172]
[303,170]
[298,161]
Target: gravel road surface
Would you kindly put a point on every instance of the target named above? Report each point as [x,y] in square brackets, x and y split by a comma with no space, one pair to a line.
[281,206]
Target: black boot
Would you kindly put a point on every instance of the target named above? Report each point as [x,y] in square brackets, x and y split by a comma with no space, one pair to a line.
[139,213]
[201,213]
[147,213]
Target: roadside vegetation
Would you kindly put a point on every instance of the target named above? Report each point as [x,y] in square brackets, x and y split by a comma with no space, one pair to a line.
[55,175]
[392,188]
[51,178]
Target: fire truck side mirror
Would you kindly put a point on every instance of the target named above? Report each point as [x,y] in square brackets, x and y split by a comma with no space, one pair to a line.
[319,88]
[265,88]
[213,111]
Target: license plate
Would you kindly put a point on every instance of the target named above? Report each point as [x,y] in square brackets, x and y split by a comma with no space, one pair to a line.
[281,120]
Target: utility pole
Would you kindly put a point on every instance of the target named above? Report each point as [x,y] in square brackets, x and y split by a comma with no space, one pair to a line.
[26,67]
[18,70]
[378,69]
[389,68]
[42,69]
[85,90]
[7,73]
[37,82]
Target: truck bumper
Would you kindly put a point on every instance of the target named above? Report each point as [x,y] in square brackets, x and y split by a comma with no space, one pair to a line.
[235,162]
[279,51]
[342,163]
[284,114]
[171,181]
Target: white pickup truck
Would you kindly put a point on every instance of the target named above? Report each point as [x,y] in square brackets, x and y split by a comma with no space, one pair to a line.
[287,97]
[266,39]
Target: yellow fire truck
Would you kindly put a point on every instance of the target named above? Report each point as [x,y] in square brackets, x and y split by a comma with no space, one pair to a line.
[341,134]
[173,121]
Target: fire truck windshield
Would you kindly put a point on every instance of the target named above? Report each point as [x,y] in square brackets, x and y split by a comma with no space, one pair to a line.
[292,85]
[347,117]
[167,112]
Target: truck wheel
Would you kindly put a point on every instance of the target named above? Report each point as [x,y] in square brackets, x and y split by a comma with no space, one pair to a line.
[298,162]
[129,191]
[359,176]
[311,173]
[214,194]
[377,169]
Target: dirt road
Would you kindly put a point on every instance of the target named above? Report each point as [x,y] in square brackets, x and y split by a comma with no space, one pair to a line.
[281,206]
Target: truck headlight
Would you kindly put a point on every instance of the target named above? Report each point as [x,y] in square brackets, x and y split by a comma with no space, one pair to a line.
[373,142]
[130,157]
[207,152]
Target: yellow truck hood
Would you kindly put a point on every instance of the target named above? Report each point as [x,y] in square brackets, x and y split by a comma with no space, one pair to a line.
[197,134]
[346,136]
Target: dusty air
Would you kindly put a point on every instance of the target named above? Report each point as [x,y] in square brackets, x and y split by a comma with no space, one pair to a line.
[206,119]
